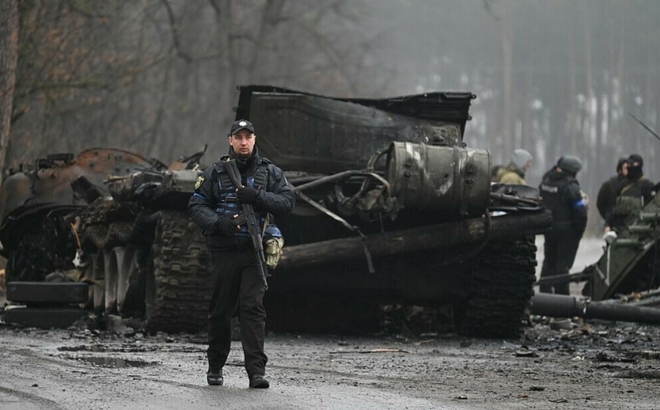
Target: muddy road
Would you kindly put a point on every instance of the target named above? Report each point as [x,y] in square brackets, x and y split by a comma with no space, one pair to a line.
[595,365]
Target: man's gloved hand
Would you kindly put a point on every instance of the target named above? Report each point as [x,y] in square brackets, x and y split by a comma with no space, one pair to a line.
[226,226]
[246,195]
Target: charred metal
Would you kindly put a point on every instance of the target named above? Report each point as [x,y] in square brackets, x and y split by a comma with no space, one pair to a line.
[394,209]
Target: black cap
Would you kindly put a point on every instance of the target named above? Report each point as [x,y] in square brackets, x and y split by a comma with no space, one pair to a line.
[236,126]
[636,158]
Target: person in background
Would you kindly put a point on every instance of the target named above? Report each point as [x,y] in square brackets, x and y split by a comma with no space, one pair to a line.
[610,189]
[514,173]
[632,197]
[495,172]
[561,194]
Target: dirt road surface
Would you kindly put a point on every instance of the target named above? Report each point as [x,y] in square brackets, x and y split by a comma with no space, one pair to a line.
[598,366]
[595,365]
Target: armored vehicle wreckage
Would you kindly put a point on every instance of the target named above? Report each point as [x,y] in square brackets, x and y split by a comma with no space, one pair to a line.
[630,262]
[623,283]
[111,219]
[393,209]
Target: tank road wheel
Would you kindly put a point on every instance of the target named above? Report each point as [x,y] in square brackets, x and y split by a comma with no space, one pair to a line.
[501,288]
[39,242]
[178,286]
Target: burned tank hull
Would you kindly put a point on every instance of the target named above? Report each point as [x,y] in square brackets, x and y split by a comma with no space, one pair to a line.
[393,209]
[116,221]
[35,237]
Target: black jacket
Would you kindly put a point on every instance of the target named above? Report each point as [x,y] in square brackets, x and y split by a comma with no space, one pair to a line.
[607,195]
[275,198]
[561,194]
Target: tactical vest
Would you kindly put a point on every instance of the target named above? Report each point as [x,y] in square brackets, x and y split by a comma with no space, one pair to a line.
[630,201]
[552,192]
[229,206]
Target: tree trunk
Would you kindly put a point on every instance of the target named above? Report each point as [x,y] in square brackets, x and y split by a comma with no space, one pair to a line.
[527,139]
[8,63]
[620,72]
[573,111]
[650,142]
[589,82]
[507,86]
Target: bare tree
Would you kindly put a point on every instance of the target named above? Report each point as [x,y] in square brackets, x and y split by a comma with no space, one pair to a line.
[8,62]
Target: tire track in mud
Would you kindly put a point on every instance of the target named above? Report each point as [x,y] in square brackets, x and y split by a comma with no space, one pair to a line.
[39,401]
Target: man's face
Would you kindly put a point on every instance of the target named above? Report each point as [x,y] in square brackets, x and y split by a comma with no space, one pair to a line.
[624,169]
[243,143]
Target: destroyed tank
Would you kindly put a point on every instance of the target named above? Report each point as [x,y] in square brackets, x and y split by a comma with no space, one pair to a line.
[114,220]
[393,210]
[394,214]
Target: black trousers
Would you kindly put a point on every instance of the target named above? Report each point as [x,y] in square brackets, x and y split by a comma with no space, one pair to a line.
[237,282]
[560,248]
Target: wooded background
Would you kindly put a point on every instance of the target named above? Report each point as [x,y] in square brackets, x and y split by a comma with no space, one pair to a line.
[159,76]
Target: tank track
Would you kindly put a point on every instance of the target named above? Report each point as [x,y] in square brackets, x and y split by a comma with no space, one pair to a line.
[178,280]
[501,288]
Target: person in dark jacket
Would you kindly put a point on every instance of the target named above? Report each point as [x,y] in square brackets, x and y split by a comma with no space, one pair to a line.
[632,196]
[610,189]
[547,173]
[215,207]
[561,194]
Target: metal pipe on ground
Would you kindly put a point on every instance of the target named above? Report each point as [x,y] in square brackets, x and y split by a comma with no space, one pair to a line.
[548,304]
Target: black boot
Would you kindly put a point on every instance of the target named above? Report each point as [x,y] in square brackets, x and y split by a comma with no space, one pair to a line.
[258,381]
[214,377]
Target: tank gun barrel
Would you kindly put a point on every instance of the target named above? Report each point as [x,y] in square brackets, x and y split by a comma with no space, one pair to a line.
[417,239]
[548,304]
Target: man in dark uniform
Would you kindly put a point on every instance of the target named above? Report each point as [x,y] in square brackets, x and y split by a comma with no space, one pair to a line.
[632,196]
[610,189]
[561,194]
[215,207]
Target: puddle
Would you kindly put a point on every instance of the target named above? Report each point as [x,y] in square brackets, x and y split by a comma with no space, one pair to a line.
[114,362]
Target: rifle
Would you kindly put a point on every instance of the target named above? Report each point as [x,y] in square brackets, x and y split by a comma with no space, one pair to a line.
[251,220]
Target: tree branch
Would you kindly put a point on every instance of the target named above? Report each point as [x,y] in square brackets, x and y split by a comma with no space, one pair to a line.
[175,33]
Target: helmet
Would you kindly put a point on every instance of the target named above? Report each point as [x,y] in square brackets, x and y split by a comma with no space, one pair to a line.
[570,164]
